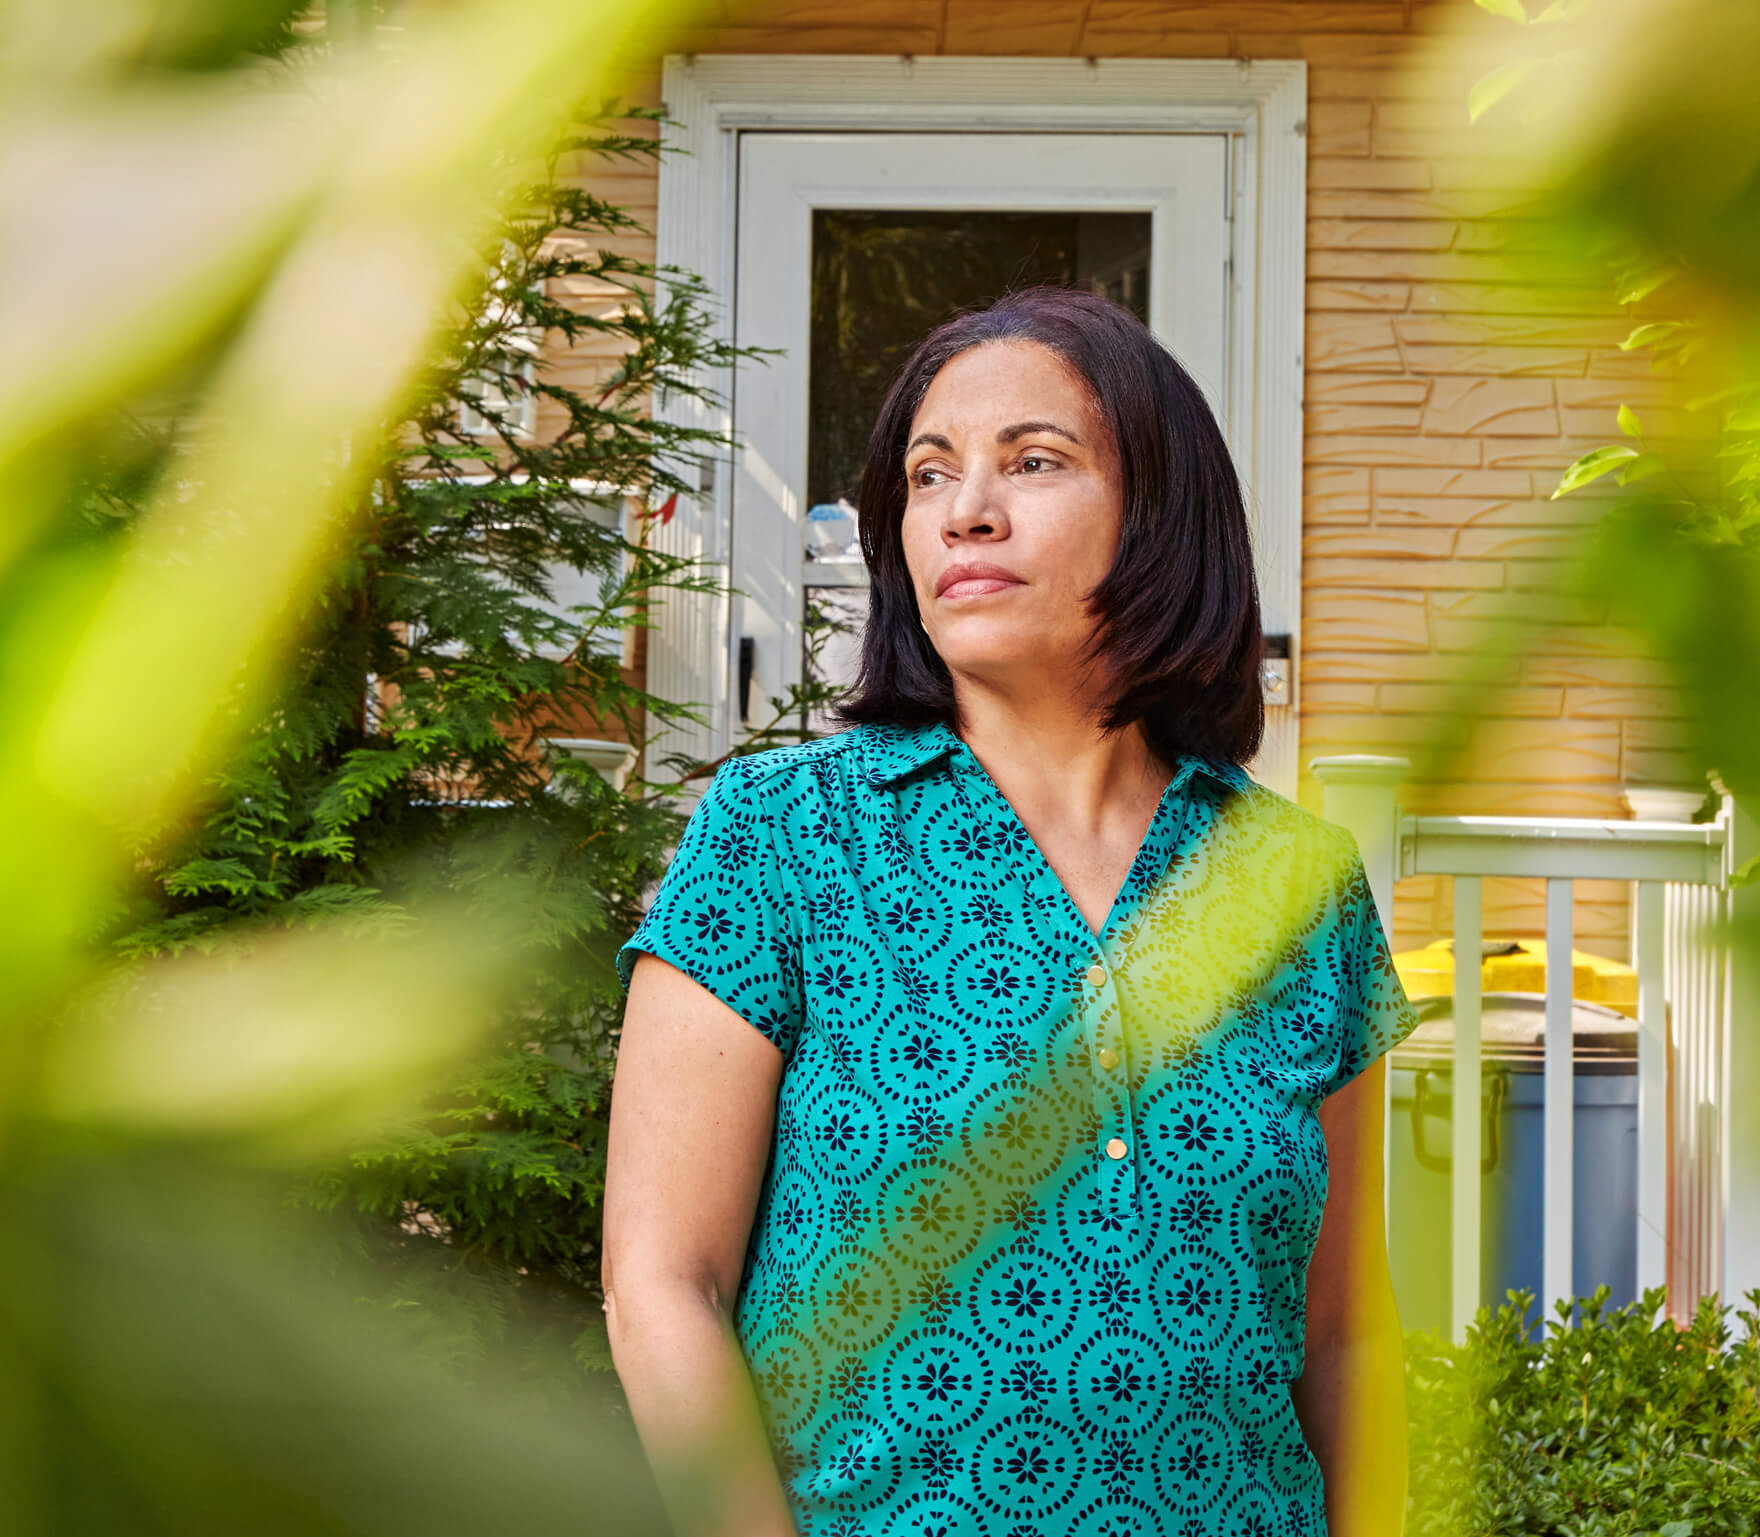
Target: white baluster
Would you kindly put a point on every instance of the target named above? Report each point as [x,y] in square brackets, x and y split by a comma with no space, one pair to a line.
[1469,930]
[1560,1086]
[1652,1090]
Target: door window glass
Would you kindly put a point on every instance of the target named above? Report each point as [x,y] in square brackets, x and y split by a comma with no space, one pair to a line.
[882,278]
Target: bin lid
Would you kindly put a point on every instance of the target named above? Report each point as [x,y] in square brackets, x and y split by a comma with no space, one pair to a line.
[1518,964]
[1512,1030]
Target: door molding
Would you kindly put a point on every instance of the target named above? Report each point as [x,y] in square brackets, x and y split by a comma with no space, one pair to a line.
[1261,104]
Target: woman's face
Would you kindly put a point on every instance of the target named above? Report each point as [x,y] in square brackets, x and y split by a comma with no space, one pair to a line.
[1009,465]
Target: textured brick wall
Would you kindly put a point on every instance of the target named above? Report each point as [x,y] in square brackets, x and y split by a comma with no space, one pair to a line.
[1442,398]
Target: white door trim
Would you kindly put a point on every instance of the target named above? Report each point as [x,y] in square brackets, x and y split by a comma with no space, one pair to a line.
[1176,183]
[1261,103]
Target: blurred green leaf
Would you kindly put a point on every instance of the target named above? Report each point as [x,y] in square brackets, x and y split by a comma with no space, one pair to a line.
[1644,466]
[1628,422]
[1512,9]
[1648,285]
[181,1355]
[296,1042]
[1492,88]
[1592,465]
[1650,333]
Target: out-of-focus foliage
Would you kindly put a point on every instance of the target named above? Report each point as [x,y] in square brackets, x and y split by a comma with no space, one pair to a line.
[234,237]
[1616,1426]
[432,660]
[1629,132]
[1630,135]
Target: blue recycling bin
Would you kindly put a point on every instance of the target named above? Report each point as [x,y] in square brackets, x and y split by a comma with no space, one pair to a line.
[1512,1164]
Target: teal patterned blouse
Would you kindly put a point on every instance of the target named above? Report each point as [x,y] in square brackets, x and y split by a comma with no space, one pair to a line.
[1031,1248]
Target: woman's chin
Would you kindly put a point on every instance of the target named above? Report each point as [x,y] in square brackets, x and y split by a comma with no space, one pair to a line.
[997,657]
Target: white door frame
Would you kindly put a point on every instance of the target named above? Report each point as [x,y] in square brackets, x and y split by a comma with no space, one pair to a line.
[1261,104]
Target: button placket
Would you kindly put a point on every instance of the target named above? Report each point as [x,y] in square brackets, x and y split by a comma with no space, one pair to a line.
[1114,1113]
[1110,1070]
[1098,995]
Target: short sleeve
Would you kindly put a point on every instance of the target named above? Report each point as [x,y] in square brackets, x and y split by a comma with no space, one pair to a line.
[722,914]
[1374,1014]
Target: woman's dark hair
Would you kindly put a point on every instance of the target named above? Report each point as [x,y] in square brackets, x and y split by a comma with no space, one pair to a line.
[1178,613]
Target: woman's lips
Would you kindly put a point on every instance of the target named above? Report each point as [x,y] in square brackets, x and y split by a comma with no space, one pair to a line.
[977,586]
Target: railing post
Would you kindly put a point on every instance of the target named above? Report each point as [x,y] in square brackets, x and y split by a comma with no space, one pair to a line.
[1741,1062]
[1360,791]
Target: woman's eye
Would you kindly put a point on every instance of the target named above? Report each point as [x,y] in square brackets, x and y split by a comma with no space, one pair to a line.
[1049,464]
[920,477]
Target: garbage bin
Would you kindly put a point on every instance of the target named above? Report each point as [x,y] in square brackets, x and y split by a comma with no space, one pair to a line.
[1512,1156]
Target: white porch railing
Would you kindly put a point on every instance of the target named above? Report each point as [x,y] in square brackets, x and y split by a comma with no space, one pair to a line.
[1698,1209]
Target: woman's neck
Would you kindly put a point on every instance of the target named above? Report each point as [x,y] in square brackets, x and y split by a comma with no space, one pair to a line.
[1051,756]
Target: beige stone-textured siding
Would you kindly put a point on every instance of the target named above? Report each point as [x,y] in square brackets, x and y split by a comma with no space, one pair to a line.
[1443,397]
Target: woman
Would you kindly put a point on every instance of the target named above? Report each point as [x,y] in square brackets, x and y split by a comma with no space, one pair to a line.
[989,1064]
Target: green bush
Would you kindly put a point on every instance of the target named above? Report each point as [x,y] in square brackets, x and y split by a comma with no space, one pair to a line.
[1620,1425]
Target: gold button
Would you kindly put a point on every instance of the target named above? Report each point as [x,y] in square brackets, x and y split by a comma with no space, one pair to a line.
[1097,975]
[1108,1058]
[1115,1148]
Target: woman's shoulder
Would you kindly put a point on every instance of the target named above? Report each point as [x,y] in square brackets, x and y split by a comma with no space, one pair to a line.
[1268,829]
[838,750]
[793,791]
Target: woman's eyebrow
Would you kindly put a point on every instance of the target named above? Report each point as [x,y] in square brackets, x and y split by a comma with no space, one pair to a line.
[1021,429]
[933,439]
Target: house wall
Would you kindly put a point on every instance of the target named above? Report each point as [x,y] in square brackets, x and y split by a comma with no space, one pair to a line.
[1443,397]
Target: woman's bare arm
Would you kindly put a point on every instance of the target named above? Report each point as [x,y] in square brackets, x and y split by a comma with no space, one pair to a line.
[693,1108]
[1350,1398]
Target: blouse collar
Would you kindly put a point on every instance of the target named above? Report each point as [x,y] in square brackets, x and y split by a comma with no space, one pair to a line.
[890,750]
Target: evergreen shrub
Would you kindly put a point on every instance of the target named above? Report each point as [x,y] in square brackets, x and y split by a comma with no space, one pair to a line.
[1621,1426]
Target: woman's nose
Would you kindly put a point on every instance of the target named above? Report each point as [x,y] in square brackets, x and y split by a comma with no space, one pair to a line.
[978,504]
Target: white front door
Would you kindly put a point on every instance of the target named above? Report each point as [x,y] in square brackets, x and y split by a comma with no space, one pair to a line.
[850,246]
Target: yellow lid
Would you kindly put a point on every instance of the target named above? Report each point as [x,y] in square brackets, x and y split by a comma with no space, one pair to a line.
[1429,972]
